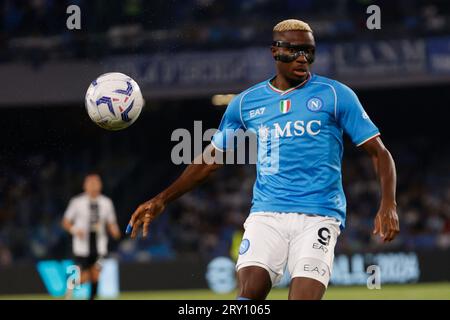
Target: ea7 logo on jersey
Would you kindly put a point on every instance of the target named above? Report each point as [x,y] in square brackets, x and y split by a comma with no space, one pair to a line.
[257,112]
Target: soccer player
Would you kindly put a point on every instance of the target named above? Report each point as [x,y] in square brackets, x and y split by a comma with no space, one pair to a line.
[299,207]
[88,218]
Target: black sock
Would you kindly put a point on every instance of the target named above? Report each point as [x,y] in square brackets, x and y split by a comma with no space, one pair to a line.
[94,286]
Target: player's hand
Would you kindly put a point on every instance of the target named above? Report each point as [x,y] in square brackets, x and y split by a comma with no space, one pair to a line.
[144,215]
[114,230]
[386,223]
[79,233]
[116,235]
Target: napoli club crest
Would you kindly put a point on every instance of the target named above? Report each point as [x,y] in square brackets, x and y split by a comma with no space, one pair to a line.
[243,248]
[314,104]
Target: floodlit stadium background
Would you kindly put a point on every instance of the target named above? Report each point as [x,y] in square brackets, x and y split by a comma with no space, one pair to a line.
[183,54]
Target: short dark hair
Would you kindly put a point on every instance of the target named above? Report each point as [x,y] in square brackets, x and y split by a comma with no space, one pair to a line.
[92,173]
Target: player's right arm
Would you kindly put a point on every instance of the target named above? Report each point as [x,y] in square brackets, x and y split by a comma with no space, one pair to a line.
[195,174]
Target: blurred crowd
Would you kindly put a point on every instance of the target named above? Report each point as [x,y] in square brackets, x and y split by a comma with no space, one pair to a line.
[423,199]
[37,28]
[208,221]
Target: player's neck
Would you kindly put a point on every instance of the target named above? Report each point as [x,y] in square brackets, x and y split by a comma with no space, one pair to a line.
[283,84]
[93,196]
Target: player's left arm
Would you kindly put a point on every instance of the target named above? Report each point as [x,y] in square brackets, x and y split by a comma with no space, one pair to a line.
[352,117]
[113,230]
[386,220]
[111,222]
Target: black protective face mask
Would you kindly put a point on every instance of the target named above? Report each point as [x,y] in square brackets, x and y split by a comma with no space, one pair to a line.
[308,51]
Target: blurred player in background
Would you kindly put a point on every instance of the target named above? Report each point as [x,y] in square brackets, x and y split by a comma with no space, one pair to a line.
[88,218]
[299,206]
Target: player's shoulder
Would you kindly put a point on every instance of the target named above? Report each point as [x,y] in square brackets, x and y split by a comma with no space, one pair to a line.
[245,98]
[79,197]
[256,89]
[335,84]
[105,199]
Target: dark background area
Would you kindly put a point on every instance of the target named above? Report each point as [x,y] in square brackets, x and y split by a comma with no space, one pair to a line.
[46,150]
[48,143]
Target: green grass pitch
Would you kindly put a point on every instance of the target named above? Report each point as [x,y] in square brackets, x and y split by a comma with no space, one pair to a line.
[439,291]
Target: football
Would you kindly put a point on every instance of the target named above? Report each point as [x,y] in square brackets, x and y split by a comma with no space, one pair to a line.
[114,101]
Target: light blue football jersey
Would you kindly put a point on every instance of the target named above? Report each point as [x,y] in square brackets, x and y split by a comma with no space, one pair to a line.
[300,143]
